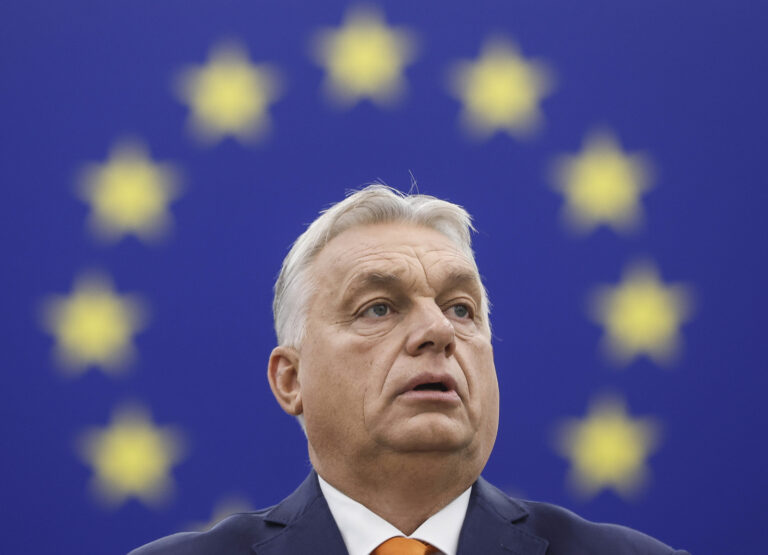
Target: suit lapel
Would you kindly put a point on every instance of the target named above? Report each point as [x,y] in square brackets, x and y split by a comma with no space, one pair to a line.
[493,525]
[303,524]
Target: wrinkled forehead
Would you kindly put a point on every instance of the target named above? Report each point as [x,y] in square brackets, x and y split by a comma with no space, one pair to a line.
[399,244]
[388,253]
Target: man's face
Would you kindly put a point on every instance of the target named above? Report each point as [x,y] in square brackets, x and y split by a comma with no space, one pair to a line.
[397,354]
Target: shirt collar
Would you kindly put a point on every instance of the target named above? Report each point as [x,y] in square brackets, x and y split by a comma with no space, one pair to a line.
[363,530]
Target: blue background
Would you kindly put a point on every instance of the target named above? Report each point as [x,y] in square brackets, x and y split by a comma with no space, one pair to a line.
[684,82]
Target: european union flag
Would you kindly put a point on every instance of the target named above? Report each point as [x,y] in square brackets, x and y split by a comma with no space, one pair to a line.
[158,159]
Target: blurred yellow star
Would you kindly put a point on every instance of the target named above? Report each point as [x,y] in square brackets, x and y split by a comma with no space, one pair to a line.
[224,508]
[641,315]
[129,193]
[131,457]
[364,58]
[93,325]
[500,91]
[229,96]
[607,449]
[602,185]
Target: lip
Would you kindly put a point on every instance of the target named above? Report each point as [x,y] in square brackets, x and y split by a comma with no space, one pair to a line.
[449,396]
[408,390]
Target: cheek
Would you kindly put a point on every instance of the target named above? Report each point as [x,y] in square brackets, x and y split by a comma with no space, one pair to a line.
[337,376]
[367,364]
[483,375]
[485,398]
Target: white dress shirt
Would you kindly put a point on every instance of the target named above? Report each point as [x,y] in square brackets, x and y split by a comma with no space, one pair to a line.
[363,530]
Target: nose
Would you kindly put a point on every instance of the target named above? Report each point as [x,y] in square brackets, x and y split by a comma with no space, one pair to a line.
[430,331]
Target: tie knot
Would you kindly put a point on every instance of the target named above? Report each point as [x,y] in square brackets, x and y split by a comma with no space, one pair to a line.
[403,546]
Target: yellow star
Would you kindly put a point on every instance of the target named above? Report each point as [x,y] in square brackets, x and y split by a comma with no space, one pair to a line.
[607,449]
[229,96]
[227,506]
[93,325]
[131,457]
[364,58]
[129,193]
[641,315]
[500,91]
[602,185]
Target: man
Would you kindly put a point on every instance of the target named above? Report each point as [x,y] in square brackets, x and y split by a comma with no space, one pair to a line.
[384,354]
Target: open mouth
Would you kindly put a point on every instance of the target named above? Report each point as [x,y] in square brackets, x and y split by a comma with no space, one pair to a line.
[431,386]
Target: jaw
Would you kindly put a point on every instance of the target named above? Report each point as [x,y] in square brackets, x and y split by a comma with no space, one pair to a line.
[439,443]
[441,431]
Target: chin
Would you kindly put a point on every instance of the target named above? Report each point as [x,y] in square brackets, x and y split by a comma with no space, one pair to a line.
[427,432]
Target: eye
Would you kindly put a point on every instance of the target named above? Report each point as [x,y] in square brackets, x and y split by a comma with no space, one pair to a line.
[377,310]
[461,311]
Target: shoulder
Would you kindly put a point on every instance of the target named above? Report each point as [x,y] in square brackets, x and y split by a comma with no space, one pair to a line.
[567,532]
[564,529]
[239,533]
[235,534]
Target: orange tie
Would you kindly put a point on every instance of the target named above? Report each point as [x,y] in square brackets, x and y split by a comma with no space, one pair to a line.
[404,546]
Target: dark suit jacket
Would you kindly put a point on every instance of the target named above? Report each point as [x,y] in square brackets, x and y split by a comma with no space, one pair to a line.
[494,524]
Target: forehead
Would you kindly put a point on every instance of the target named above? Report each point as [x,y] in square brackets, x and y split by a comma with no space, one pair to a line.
[391,248]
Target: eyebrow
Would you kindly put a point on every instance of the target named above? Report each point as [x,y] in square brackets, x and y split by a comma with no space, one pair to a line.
[456,278]
[370,280]
[469,282]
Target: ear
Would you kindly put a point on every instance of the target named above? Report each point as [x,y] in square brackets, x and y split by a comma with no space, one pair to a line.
[283,375]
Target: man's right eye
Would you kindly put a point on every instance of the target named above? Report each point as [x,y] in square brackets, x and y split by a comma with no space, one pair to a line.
[377,310]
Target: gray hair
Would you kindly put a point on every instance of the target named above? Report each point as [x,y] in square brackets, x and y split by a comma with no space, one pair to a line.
[373,204]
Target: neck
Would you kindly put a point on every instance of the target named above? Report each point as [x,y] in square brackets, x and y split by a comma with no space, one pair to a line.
[406,489]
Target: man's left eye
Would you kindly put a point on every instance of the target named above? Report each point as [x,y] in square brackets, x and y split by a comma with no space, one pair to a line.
[377,310]
[461,310]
